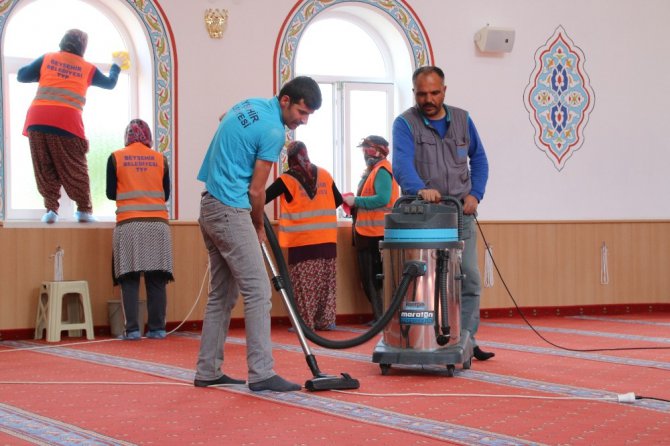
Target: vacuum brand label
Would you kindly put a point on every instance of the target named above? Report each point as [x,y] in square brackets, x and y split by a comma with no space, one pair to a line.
[416,316]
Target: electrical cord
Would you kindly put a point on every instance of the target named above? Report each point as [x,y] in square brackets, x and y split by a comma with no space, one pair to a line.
[629,397]
[70,344]
[523,316]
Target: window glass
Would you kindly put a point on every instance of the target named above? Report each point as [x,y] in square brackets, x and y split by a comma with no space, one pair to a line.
[31,32]
[336,47]
[368,116]
[38,28]
[22,188]
[356,104]
[318,133]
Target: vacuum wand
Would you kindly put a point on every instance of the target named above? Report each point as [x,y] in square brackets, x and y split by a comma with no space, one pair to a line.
[321,381]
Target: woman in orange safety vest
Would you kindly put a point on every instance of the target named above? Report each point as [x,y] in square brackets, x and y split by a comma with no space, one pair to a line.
[138,178]
[308,228]
[54,124]
[377,191]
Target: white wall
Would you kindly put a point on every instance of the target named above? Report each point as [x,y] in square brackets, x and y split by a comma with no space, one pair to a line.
[618,173]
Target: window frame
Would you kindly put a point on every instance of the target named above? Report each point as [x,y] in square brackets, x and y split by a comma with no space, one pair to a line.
[343,144]
[150,42]
[12,64]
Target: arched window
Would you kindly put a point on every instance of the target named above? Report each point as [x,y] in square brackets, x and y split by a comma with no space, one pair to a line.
[145,90]
[357,87]
[364,75]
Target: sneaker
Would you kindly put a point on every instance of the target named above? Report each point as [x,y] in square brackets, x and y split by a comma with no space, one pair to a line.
[131,336]
[84,217]
[156,334]
[50,217]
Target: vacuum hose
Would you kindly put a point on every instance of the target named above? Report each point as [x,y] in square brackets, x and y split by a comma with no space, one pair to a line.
[442,337]
[411,270]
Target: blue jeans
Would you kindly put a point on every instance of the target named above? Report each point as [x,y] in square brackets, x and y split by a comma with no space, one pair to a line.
[236,268]
[472,284]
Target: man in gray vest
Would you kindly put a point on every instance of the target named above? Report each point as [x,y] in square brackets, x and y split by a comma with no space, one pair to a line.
[437,152]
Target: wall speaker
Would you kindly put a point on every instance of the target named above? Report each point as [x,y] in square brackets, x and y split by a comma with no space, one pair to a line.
[495,40]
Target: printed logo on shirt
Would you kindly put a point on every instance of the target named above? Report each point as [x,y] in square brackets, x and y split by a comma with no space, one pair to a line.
[245,113]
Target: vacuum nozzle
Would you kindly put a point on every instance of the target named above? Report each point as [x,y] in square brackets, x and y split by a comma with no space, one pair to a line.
[331,382]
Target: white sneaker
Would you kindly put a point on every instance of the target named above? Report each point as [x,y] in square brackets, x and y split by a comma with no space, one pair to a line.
[84,217]
[50,217]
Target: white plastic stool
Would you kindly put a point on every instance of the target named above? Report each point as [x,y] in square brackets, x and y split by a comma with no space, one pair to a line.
[50,310]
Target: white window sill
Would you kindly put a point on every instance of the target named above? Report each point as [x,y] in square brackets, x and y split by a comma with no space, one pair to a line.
[60,224]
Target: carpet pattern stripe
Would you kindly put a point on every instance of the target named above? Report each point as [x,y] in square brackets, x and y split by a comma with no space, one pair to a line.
[358,412]
[42,430]
[176,373]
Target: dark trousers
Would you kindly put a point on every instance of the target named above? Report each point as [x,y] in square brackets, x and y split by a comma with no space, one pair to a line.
[370,266]
[155,283]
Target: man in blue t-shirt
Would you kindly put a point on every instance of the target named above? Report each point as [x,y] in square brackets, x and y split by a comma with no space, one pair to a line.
[235,170]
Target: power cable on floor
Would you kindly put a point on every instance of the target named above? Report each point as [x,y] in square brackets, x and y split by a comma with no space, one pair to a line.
[523,316]
[629,397]
[70,344]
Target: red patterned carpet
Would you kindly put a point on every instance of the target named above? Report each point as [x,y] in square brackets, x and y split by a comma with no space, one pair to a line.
[110,392]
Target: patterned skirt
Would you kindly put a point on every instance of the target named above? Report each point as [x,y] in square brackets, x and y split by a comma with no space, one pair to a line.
[314,285]
[141,246]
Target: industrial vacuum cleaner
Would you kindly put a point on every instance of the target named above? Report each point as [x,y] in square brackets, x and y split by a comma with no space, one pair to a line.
[425,329]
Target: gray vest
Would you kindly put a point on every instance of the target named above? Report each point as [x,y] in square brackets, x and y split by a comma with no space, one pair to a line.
[442,163]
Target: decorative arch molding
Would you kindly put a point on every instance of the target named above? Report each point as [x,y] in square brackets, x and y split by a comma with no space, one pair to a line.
[164,75]
[305,11]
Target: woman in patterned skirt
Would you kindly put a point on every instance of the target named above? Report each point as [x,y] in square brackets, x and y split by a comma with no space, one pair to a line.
[138,178]
[308,228]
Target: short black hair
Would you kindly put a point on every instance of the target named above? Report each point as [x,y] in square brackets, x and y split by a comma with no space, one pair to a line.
[427,69]
[303,88]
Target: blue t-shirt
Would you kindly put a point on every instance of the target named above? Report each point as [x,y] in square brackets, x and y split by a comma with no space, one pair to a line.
[252,129]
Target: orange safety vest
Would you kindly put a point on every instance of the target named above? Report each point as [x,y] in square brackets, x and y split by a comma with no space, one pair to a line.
[139,183]
[64,79]
[306,221]
[370,222]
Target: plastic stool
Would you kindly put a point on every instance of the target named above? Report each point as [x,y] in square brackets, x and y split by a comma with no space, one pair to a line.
[52,295]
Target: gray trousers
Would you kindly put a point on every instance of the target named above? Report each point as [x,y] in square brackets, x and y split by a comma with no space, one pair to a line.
[236,268]
[472,285]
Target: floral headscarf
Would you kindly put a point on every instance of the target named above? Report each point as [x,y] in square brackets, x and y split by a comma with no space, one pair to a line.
[300,167]
[138,131]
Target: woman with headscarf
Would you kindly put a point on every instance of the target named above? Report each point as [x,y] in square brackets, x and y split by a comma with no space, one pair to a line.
[54,124]
[377,191]
[138,178]
[308,228]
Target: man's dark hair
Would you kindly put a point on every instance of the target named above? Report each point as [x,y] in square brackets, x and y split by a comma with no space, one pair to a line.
[425,70]
[305,88]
